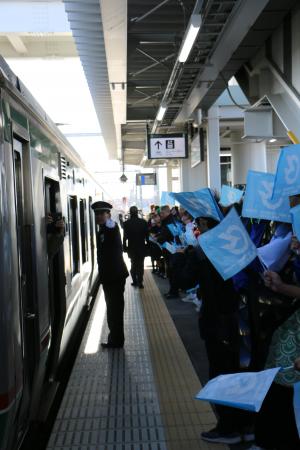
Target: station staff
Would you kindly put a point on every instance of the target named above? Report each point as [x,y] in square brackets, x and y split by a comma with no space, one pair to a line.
[112,272]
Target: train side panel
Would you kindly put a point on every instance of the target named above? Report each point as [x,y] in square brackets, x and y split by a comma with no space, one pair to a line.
[42,298]
[11,351]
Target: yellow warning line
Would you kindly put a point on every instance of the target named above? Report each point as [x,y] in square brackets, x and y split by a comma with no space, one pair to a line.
[184,417]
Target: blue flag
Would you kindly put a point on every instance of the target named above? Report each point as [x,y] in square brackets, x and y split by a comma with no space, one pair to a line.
[230,195]
[276,253]
[228,246]
[166,199]
[297,405]
[240,390]
[258,203]
[190,238]
[199,203]
[175,229]
[295,212]
[287,178]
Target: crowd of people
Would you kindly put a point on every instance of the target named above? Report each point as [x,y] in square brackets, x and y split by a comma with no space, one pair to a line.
[248,322]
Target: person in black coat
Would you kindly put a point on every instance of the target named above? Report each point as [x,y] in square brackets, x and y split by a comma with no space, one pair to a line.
[219,328]
[166,236]
[112,272]
[135,242]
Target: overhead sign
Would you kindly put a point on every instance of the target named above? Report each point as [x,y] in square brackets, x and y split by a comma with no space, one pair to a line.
[167,146]
[145,179]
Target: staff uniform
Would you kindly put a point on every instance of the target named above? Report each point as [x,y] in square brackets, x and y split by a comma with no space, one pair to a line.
[112,274]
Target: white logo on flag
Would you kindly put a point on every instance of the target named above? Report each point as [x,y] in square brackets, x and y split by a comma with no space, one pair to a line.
[231,197]
[234,235]
[291,172]
[267,195]
[207,206]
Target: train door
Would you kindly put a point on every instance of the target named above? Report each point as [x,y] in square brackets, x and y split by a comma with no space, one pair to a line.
[56,273]
[25,243]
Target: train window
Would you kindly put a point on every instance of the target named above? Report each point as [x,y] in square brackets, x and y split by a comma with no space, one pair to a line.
[92,229]
[73,234]
[19,186]
[83,230]
[6,121]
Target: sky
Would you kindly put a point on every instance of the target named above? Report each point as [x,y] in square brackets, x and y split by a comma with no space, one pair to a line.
[59,85]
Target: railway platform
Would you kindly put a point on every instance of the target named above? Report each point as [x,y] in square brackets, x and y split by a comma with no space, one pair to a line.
[137,398]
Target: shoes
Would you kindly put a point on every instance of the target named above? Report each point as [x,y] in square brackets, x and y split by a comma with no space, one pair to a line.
[141,286]
[189,298]
[198,304]
[109,345]
[215,435]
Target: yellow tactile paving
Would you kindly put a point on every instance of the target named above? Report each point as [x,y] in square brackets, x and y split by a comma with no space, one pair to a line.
[177,383]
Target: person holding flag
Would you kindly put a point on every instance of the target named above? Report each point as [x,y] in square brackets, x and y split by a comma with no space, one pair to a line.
[166,236]
[275,426]
[219,328]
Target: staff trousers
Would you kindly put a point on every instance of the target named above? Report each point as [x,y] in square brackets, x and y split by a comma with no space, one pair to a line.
[114,299]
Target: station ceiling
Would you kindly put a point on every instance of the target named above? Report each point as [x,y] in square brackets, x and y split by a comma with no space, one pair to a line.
[155,32]
[232,32]
[129,52]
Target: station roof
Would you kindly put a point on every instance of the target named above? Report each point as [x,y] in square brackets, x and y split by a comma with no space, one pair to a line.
[129,52]
[232,32]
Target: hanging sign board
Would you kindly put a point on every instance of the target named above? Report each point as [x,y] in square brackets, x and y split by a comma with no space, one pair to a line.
[145,179]
[167,146]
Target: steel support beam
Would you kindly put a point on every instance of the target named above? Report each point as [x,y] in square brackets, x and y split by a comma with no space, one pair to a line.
[151,11]
[151,57]
[152,65]
[243,18]
[142,100]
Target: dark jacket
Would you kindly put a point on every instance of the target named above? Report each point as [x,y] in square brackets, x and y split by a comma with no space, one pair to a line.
[165,235]
[110,254]
[218,316]
[136,237]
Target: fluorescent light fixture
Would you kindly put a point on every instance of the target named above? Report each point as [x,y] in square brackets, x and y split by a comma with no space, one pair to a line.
[189,37]
[272,140]
[161,112]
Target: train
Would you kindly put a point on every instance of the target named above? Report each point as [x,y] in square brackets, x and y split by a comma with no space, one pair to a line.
[42,295]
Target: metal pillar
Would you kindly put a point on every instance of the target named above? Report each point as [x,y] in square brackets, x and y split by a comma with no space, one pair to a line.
[246,156]
[185,168]
[213,149]
[169,178]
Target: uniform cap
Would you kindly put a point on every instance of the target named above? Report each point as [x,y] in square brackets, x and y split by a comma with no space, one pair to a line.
[101,206]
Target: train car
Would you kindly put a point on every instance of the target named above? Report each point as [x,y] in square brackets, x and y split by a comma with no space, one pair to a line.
[43,293]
